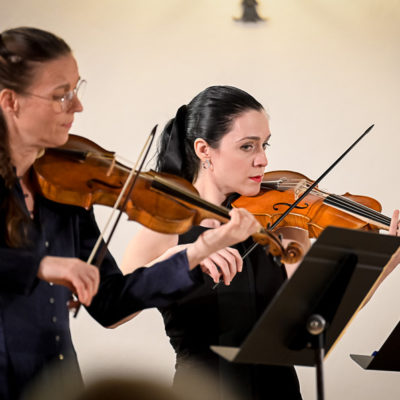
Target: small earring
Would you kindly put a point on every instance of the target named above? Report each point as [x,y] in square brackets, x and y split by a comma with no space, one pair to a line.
[40,153]
[206,164]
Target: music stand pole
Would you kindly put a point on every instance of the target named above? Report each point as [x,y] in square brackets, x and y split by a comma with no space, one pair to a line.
[316,325]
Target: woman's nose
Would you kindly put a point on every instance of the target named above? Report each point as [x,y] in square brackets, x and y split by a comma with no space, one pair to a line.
[261,159]
[76,105]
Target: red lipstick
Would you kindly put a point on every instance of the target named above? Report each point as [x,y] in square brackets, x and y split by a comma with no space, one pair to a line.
[257,178]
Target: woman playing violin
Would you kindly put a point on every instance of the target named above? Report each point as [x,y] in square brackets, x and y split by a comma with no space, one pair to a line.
[44,245]
[218,142]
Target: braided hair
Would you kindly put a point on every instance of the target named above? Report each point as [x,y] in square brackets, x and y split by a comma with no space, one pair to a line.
[21,51]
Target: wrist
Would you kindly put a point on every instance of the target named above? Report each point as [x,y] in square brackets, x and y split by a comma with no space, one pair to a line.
[194,254]
[207,243]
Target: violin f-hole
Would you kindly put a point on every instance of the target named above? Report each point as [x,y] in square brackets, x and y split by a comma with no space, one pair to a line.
[276,206]
[92,182]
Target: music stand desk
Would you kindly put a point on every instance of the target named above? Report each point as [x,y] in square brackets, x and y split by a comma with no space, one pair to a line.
[333,279]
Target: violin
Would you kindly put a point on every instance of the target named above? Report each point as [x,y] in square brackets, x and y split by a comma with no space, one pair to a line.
[82,173]
[319,209]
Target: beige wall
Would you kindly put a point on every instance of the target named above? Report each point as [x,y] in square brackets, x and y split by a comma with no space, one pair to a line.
[325,71]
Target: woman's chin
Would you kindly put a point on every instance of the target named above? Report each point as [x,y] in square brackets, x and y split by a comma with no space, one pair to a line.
[249,192]
[59,140]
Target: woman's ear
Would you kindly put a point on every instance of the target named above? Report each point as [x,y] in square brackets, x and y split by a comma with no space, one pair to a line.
[8,101]
[202,149]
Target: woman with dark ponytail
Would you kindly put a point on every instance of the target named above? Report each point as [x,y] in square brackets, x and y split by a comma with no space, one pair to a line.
[218,143]
[44,245]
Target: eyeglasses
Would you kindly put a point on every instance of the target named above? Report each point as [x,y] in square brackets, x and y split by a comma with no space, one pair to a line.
[63,103]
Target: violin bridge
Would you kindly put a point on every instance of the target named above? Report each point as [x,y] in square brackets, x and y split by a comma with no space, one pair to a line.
[112,165]
[300,188]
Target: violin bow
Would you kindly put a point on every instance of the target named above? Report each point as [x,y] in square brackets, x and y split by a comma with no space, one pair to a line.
[283,216]
[127,188]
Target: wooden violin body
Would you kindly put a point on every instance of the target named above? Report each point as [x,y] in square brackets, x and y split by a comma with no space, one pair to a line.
[81,173]
[316,211]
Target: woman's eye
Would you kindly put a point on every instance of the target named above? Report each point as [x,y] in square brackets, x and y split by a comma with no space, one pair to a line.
[265,145]
[247,147]
[58,97]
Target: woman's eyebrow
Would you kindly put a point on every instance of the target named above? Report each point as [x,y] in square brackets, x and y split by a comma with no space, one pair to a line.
[66,85]
[253,138]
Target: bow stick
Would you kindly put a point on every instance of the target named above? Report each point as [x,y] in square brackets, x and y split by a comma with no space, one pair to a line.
[282,217]
[127,188]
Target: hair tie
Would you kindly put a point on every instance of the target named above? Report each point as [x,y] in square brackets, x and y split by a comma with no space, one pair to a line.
[6,54]
[175,150]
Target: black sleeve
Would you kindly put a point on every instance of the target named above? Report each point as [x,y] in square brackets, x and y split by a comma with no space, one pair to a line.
[122,295]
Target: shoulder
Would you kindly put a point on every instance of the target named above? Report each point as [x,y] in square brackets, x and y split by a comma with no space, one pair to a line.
[146,235]
[146,246]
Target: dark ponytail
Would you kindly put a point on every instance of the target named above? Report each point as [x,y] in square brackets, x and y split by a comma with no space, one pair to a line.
[208,116]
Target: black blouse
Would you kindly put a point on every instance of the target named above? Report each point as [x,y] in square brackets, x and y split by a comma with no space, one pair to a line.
[34,319]
[224,316]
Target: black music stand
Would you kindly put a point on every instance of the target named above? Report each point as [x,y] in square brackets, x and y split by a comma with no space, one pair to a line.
[387,358]
[311,310]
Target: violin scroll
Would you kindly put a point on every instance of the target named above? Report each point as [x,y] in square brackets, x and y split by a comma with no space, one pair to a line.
[289,255]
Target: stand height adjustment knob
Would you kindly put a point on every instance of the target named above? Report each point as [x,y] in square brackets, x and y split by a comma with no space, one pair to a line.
[316,324]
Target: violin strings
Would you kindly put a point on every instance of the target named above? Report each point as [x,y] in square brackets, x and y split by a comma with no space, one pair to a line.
[337,201]
[113,159]
[293,183]
[83,155]
[358,209]
[184,194]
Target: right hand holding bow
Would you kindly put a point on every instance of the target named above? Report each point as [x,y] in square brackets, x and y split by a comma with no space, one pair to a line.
[81,278]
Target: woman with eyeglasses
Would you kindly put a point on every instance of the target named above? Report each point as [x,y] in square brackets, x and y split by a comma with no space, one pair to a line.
[44,245]
[218,142]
